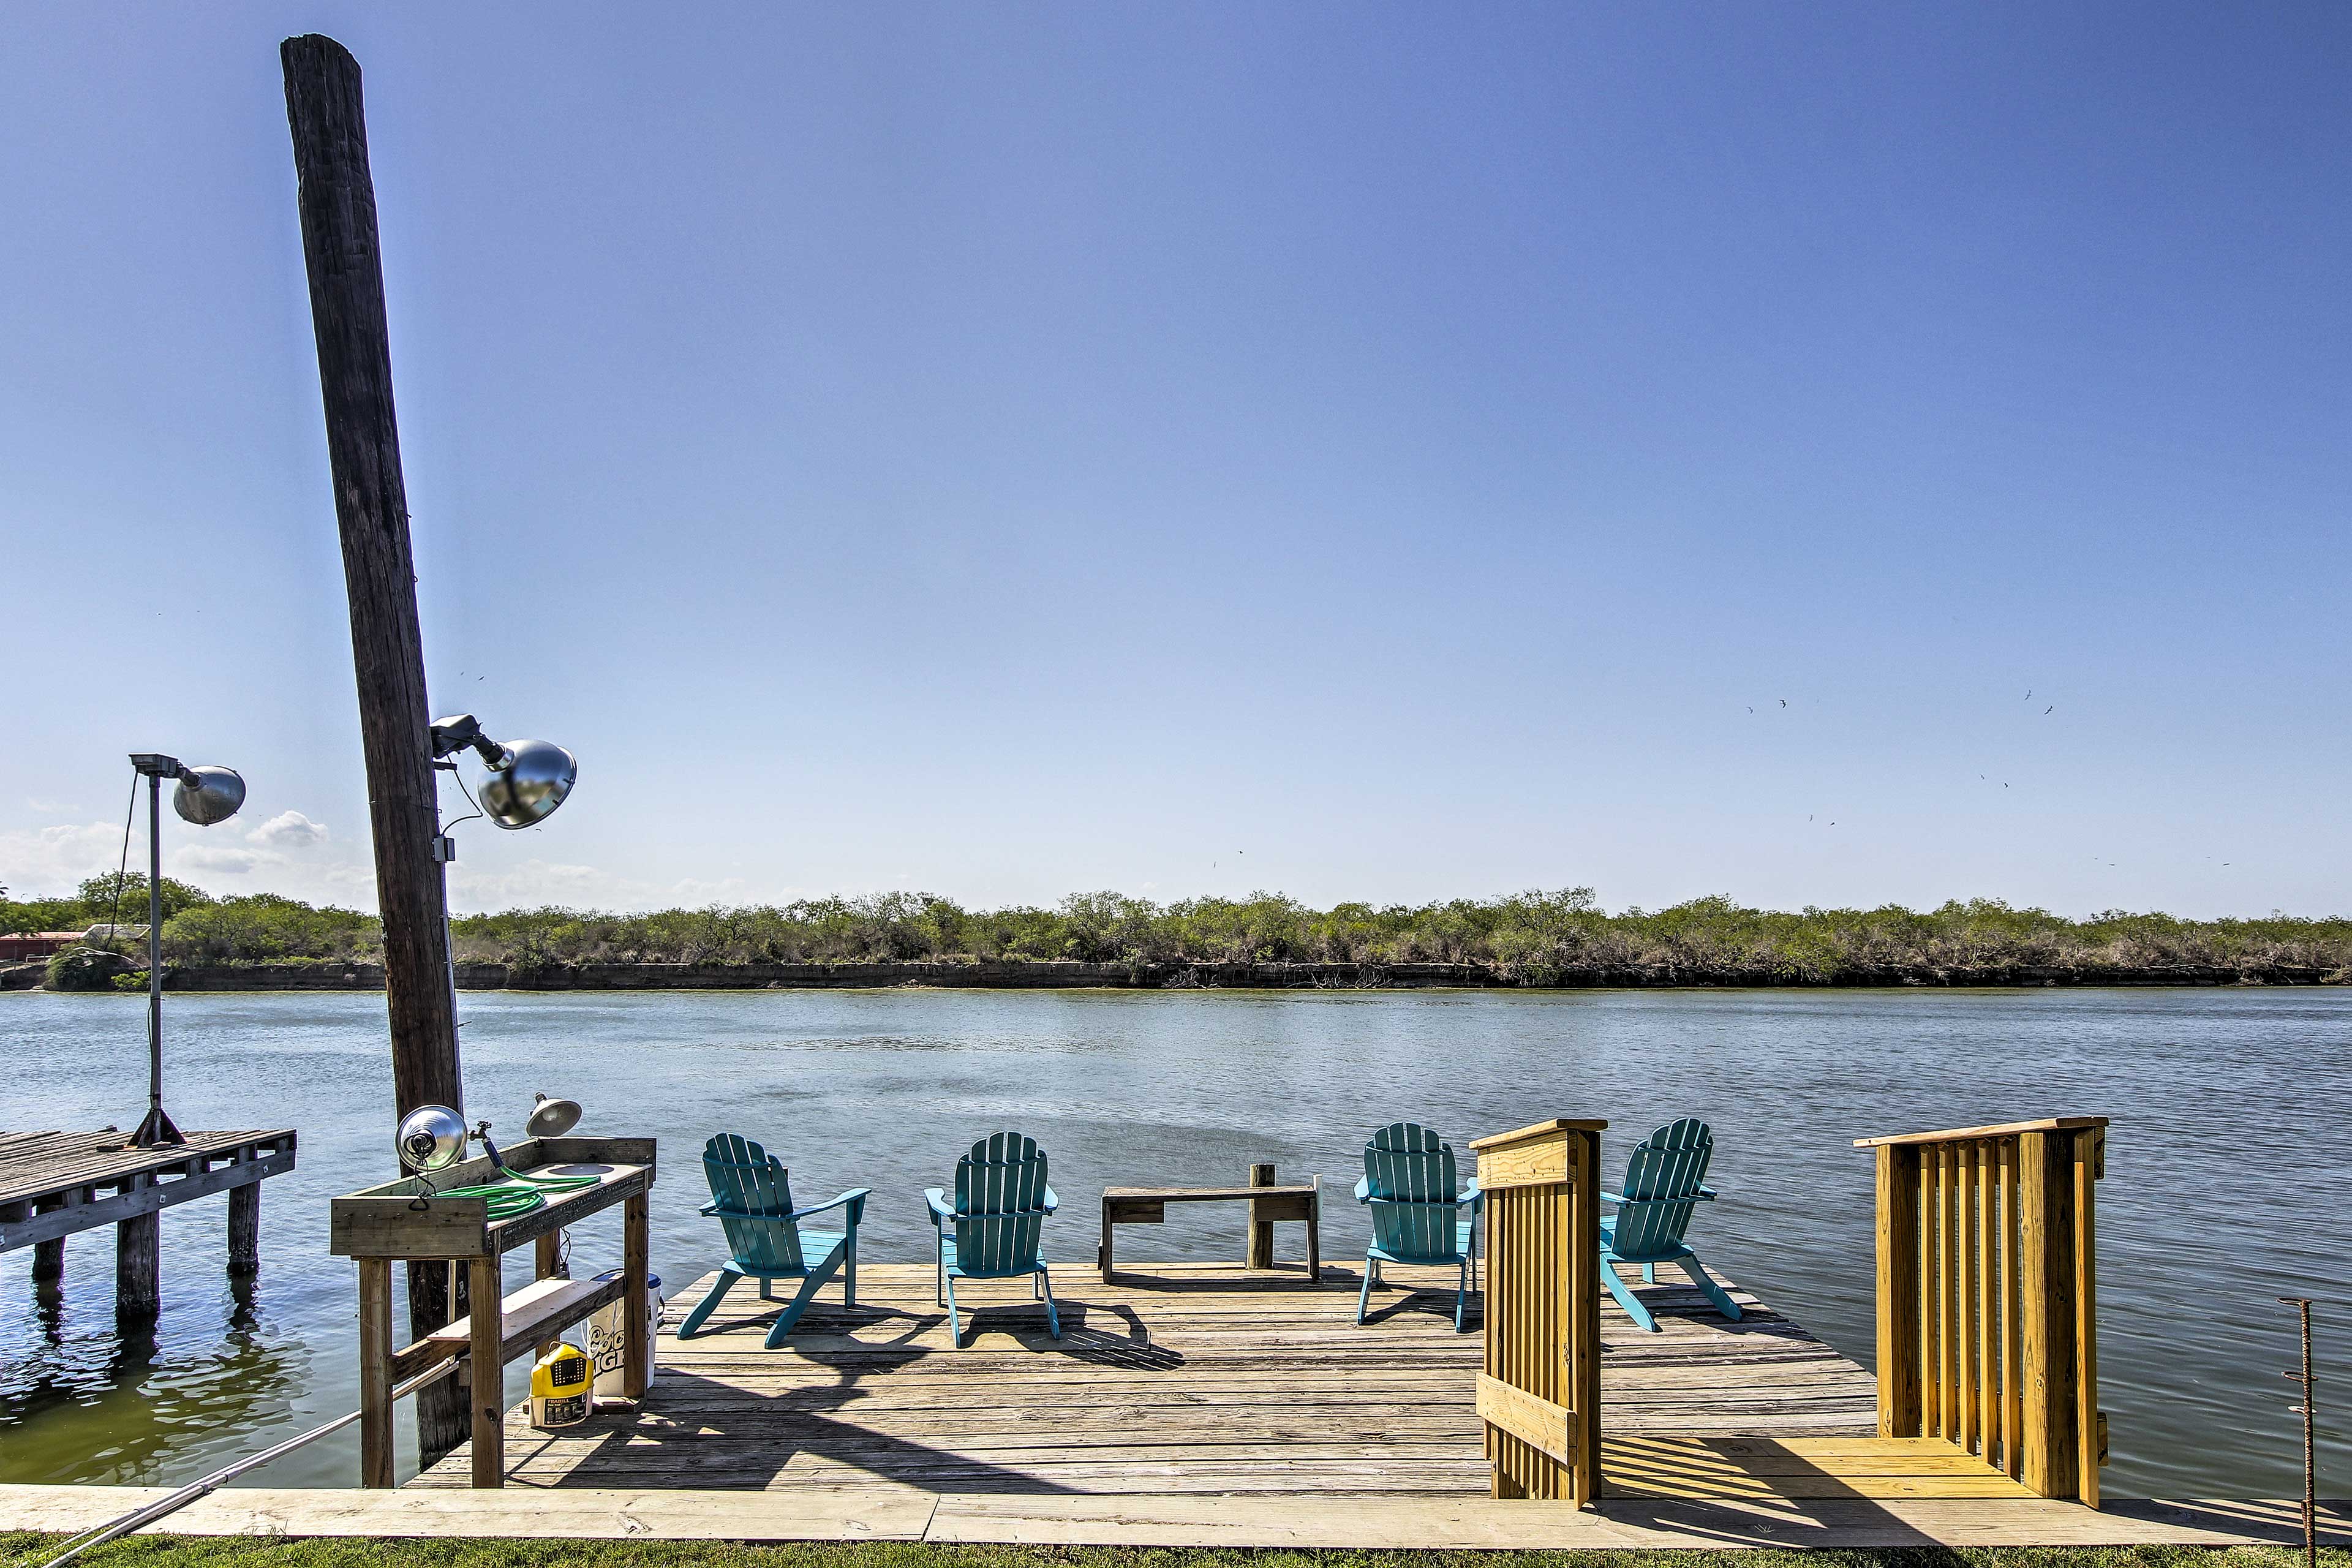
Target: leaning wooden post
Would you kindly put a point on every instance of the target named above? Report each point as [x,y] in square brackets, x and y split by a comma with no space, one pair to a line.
[1540,1392]
[328,119]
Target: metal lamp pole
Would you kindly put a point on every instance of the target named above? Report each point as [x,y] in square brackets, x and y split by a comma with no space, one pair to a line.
[157,1128]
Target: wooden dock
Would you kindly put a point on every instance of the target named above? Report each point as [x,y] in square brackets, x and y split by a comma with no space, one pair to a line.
[1213,1380]
[1202,1405]
[55,1184]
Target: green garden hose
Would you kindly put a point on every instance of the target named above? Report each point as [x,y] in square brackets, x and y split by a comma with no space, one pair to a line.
[519,1193]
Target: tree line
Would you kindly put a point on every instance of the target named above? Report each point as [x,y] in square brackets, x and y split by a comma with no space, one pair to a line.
[1536,937]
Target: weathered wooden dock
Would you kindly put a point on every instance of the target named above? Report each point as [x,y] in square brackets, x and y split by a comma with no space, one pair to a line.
[1198,1379]
[55,1184]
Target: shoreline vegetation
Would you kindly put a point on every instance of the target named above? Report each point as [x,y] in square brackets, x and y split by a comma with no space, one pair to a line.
[1562,938]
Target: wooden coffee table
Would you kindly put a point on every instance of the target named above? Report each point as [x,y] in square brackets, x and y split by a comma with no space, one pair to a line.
[1268,1205]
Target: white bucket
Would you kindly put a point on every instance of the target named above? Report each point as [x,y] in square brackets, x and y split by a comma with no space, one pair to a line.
[605,1346]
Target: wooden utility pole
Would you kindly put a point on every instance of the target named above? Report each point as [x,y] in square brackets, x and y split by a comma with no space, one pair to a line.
[328,121]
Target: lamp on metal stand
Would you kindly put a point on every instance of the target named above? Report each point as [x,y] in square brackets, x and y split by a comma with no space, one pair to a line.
[205,795]
[528,780]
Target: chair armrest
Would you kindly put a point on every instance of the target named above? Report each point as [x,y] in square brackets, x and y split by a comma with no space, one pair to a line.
[939,1208]
[855,1198]
[1363,1189]
[712,1207]
[1706,1194]
[1468,1196]
[1052,1202]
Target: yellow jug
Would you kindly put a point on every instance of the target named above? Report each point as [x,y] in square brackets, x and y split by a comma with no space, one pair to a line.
[559,1387]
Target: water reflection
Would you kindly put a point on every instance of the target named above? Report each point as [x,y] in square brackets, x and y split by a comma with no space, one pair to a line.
[120,1404]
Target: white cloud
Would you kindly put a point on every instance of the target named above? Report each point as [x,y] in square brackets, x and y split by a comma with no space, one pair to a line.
[228,862]
[51,861]
[52,807]
[290,830]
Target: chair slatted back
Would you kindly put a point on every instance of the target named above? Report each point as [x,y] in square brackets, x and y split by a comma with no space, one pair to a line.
[1409,1171]
[755,1193]
[1662,1183]
[1000,1201]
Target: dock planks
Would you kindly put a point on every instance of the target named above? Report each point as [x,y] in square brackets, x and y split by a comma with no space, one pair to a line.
[1175,1380]
[54,1183]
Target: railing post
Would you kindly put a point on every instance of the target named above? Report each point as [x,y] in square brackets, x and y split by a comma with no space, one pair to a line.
[1899,1409]
[1539,1394]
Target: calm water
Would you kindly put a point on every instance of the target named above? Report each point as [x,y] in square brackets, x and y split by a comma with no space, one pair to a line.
[2227,1169]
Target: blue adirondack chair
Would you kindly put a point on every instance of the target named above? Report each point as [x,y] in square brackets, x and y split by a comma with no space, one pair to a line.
[752,1198]
[1418,1215]
[1664,1182]
[993,1229]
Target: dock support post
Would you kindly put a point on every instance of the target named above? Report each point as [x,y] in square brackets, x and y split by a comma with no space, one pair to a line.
[50,1257]
[1261,1231]
[245,1230]
[138,1263]
[327,117]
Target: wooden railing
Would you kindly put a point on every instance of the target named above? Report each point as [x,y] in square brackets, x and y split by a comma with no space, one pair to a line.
[1540,1392]
[1987,1296]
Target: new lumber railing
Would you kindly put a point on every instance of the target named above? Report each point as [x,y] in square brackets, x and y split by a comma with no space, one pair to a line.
[1987,1296]
[1540,1392]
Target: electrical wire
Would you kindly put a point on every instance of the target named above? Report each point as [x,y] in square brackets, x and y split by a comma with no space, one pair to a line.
[124,864]
[477,805]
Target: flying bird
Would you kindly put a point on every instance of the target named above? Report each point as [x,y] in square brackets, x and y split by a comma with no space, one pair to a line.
[1784,702]
[2049,710]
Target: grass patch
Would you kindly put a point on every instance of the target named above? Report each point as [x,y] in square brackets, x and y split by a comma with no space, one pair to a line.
[24,1550]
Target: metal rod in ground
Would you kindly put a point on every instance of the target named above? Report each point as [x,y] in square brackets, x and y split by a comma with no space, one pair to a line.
[2310,1453]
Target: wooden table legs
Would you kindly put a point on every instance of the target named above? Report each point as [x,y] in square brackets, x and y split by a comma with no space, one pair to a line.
[487,1320]
[376,1372]
[636,1353]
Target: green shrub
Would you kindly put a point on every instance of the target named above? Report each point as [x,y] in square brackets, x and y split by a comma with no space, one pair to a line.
[83,969]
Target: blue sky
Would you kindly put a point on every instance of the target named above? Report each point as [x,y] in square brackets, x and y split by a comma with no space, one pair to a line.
[1373,452]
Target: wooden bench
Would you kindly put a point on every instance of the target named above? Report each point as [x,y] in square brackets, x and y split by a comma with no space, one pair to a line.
[1268,1205]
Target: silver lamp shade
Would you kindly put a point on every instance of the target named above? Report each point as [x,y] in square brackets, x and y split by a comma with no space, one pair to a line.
[207,795]
[552,1117]
[430,1137]
[535,778]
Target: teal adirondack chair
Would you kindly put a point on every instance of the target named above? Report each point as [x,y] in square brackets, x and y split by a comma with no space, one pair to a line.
[751,1197]
[1418,1216]
[1665,1183]
[993,1229]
